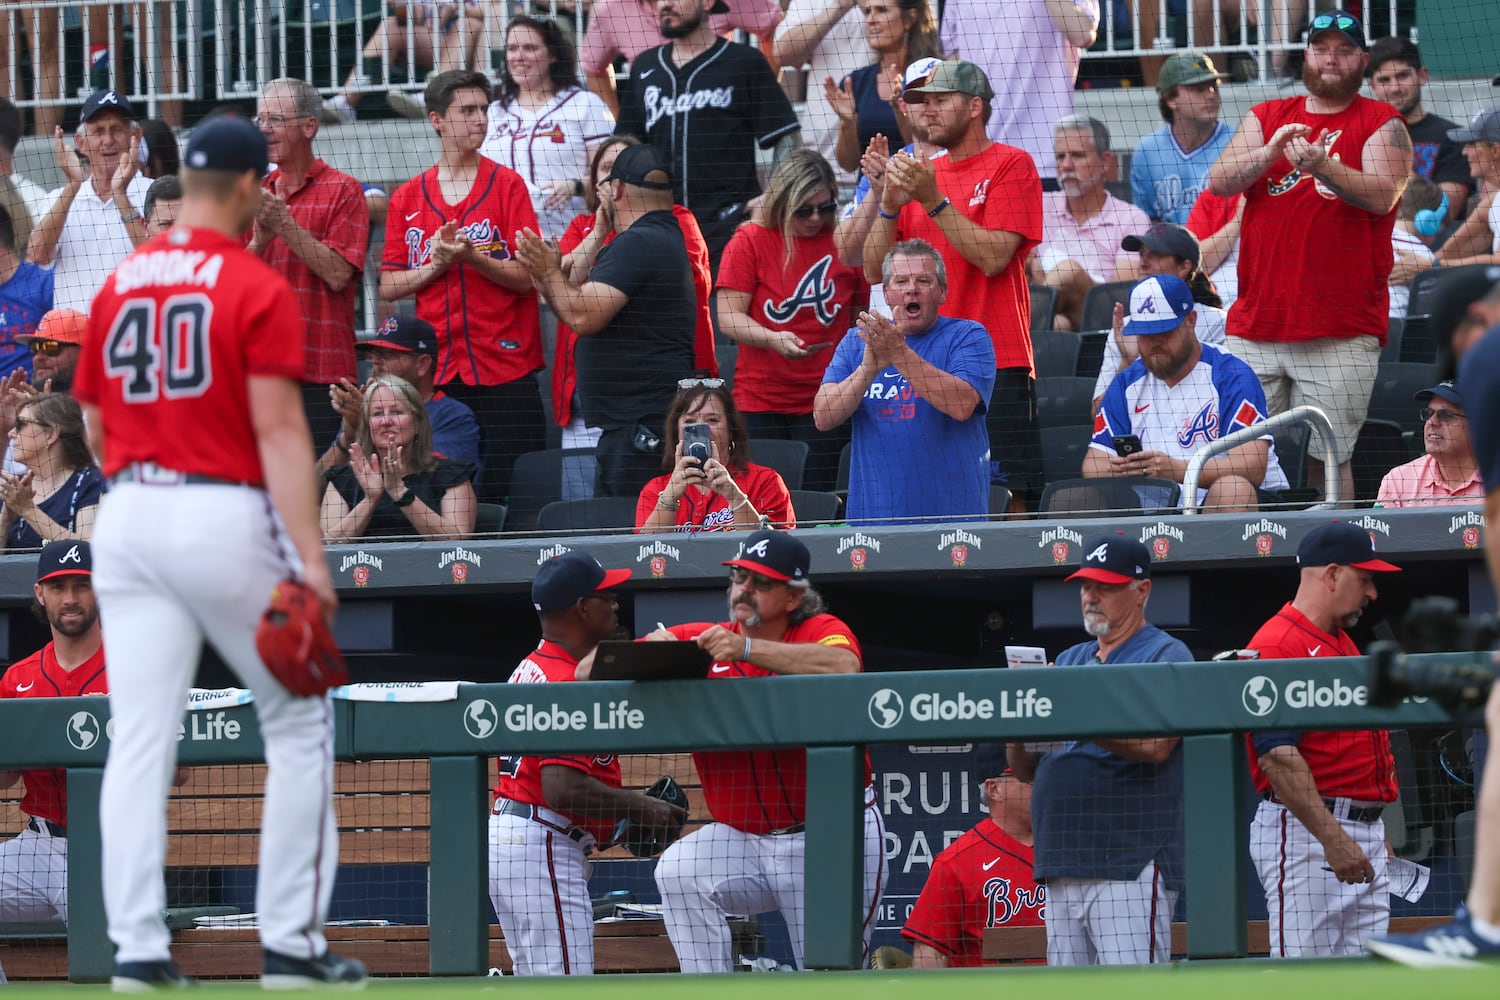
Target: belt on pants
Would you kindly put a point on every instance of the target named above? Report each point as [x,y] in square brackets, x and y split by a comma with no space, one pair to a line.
[526,810]
[151,474]
[1358,814]
[46,826]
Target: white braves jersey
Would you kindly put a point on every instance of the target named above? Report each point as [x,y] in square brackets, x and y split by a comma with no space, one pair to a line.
[1209,328]
[549,144]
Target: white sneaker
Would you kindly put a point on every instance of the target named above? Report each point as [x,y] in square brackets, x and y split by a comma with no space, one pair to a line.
[408,105]
[337,111]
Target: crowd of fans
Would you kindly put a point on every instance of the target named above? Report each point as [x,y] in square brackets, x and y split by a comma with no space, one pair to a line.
[555,283]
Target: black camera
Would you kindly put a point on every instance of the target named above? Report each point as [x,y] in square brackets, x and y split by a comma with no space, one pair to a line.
[1434,625]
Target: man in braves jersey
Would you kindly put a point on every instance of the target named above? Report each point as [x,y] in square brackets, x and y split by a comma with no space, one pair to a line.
[983,879]
[707,103]
[190,378]
[448,243]
[34,865]
[1321,175]
[1179,395]
[751,858]
[550,811]
[1108,813]
[1317,840]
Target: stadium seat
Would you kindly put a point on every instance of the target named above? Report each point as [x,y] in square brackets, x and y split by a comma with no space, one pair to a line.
[1091,352]
[1064,400]
[1393,331]
[1063,448]
[1043,307]
[593,514]
[1056,354]
[1395,384]
[814,507]
[1291,452]
[1111,496]
[787,457]
[1379,448]
[541,477]
[490,519]
[1099,304]
[841,478]
[999,499]
[727,355]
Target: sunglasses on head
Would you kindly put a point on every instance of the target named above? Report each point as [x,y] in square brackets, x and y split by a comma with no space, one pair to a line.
[1341,21]
[693,383]
[51,348]
[828,208]
[739,577]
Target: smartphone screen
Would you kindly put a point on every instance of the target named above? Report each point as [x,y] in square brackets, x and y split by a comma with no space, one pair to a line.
[697,442]
[1127,444]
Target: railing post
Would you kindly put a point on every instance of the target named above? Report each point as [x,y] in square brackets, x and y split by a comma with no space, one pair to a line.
[833,883]
[458,896]
[91,957]
[1218,844]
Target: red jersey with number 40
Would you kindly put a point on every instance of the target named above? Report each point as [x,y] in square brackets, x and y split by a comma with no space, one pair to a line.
[521,777]
[173,338]
[40,676]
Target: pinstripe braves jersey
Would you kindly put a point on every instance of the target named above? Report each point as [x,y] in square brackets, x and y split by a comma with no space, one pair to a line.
[983,879]
[549,144]
[41,676]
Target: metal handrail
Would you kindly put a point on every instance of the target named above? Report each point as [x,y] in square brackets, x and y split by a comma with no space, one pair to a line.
[1310,415]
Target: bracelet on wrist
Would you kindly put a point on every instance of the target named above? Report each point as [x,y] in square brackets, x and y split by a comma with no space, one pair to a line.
[664,504]
[129,217]
[884,214]
[746,657]
[938,208]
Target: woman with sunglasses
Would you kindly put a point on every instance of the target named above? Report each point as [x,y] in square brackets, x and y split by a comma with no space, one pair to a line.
[785,297]
[728,492]
[58,495]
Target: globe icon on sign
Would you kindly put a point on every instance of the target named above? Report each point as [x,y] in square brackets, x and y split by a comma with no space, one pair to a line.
[480,718]
[1259,696]
[83,730]
[885,708]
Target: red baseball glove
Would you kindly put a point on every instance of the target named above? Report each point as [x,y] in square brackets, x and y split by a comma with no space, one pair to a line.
[296,646]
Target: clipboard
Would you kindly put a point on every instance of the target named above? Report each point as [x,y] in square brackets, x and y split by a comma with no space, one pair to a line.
[623,660]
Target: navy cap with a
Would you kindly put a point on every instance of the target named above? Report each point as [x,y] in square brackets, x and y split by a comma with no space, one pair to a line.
[1158,304]
[1483,127]
[1165,237]
[101,101]
[636,163]
[1443,390]
[227,142]
[570,577]
[405,333]
[1114,559]
[69,557]
[775,554]
[990,761]
[1340,21]
[1343,544]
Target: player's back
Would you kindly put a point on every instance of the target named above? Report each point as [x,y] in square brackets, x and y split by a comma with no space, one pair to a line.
[174,336]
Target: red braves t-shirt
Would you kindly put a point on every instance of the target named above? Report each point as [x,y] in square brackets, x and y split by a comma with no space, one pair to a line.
[40,676]
[173,338]
[997,188]
[1312,265]
[812,295]
[487,335]
[708,511]
[983,879]
[1356,765]
[521,777]
[758,791]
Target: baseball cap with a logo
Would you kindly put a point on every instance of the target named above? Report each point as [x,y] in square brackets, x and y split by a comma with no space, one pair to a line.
[405,333]
[1185,69]
[1343,544]
[69,557]
[1443,390]
[227,142]
[1114,559]
[101,101]
[1158,304]
[775,554]
[917,73]
[953,76]
[1340,21]
[66,326]
[1166,237]
[570,577]
[1483,127]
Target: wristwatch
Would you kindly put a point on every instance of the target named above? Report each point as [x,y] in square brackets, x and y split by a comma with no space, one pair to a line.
[406,499]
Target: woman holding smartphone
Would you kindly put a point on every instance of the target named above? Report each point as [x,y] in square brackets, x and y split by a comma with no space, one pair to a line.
[786,299]
[710,482]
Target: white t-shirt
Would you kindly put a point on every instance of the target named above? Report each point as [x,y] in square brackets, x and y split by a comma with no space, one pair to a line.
[1404,242]
[92,243]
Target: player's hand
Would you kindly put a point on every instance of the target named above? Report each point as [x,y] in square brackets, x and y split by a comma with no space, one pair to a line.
[540,257]
[661,818]
[1308,155]
[1347,861]
[129,165]
[914,176]
[1284,135]
[366,470]
[723,645]
[317,578]
[69,161]
[873,163]
[841,99]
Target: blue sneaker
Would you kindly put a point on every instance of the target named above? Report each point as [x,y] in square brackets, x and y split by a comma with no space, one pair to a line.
[283,972]
[1448,946]
[147,977]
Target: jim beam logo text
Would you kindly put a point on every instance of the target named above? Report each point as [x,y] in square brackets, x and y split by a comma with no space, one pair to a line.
[1374,526]
[858,545]
[1060,539]
[550,552]
[1265,532]
[360,563]
[1467,526]
[957,543]
[459,559]
[1159,537]
[657,553]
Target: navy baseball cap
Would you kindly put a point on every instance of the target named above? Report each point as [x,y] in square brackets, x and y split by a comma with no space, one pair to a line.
[1165,237]
[101,101]
[1158,304]
[1114,559]
[227,142]
[1344,544]
[775,554]
[570,577]
[1443,390]
[990,761]
[69,557]
[1483,127]
[636,163]
[1341,21]
[405,333]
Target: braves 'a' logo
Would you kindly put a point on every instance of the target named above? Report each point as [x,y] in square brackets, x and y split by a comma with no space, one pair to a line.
[1288,181]
[814,291]
[483,234]
[1007,901]
[1204,424]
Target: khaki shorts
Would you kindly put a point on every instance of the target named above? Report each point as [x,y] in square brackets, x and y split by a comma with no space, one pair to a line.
[1334,374]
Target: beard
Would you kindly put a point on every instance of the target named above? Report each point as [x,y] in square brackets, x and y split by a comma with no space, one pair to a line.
[1165,366]
[1336,92]
[72,629]
[1095,624]
[687,23]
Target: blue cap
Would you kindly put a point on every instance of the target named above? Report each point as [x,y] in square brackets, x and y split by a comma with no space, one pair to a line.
[1443,390]
[570,577]
[774,554]
[990,761]
[1343,544]
[227,142]
[69,557]
[101,101]
[405,333]
[1158,304]
[1114,559]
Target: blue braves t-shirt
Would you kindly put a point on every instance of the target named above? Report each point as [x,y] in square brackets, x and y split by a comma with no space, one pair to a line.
[908,460]
[82,489]
[24,299]
[1479,383]
[1165,179]
[1097,815]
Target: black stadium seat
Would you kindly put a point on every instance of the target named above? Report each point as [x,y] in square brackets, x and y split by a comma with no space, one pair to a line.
[594,514]
[1055,353]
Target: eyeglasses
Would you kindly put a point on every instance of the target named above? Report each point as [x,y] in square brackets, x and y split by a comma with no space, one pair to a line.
[693,383]
[828,208]
[274,121]
[1443,416]
[51,348]
[740,577]
[1343,21]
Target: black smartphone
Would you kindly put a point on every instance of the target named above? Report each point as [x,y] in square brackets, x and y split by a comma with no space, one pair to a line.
[1127,444]
[821,345]
[698,442]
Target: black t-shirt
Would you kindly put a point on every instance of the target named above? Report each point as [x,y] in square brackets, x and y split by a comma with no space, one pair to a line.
[1437,157]
[388,520]
[628,371]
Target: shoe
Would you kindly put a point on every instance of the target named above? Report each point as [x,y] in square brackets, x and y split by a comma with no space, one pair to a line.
[407,105]
[336,111]
[285,973]
[1448,946]
[147,977]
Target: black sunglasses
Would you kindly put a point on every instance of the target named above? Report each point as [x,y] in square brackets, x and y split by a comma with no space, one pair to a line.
[828,208]
[1444,416]
[740,576]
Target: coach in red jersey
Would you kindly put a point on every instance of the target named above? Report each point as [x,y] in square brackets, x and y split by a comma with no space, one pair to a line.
[551,811]
[751,858]
[1317,840]
[1321,175]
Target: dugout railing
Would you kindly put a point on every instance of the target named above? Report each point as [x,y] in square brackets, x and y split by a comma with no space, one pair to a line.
[1210,704]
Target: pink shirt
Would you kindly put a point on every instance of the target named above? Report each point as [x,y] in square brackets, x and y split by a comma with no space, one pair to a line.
[629,27]
[1418,483]
[1095,244]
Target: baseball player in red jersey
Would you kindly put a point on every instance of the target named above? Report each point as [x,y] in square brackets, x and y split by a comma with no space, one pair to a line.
[34,865]
[983,879]
[1317,839]
[750,859]
[190,379]
[551,811]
